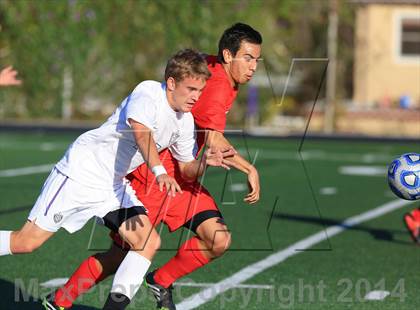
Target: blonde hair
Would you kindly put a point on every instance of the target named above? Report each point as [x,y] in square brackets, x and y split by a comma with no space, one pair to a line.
[187,63]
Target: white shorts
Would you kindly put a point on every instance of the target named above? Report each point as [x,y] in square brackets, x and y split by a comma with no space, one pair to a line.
[65,203]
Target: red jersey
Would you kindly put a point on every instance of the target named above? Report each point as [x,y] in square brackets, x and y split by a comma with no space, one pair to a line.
[216,99]
[209,113]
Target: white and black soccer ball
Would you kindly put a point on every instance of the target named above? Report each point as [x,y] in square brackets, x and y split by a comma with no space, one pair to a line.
[404,176]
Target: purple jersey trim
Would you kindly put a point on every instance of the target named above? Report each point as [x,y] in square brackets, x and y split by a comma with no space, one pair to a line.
[55,195]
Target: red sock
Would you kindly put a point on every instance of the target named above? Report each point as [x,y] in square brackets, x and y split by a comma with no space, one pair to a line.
[86,276]
[187,259]
[416,214]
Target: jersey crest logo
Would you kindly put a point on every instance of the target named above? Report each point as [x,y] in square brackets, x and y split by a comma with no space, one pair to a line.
[58,217]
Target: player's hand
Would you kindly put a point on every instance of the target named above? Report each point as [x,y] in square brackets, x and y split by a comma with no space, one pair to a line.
[8,77]
[254,187]
[216,157]
[172,187]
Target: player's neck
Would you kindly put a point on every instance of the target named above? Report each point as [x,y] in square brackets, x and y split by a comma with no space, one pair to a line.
[229,75]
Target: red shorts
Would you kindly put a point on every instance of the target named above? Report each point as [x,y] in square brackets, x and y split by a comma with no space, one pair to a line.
[191,207]
[178,210]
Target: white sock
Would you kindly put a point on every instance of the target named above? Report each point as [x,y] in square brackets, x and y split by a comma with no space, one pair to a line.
[5,242]
[130,274]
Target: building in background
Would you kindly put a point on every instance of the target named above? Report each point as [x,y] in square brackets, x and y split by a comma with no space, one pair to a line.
[387,54]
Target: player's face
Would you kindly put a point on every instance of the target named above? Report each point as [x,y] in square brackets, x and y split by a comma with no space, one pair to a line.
[243,65]
[185,93]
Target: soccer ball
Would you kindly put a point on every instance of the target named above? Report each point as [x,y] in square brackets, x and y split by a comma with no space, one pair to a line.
[404,176]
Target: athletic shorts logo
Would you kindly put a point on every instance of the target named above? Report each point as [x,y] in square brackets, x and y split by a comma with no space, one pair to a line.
[58,217]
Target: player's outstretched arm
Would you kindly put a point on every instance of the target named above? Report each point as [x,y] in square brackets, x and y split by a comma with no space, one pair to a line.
[215,140]
[190,171]
[147,147]
[8,77]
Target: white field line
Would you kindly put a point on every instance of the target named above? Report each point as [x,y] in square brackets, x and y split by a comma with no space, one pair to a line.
[57,282]
[256,286]
[363,170]
[25,171]
[53,283]
[254,269]
[328,191]
[43,146]
[377,295]
[265,154]
[268,154]
[7,173]
[319,155]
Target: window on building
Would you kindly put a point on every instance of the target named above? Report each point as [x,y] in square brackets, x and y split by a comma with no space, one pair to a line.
[410,37]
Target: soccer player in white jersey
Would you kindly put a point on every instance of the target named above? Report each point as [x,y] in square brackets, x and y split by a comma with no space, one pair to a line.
[89,180]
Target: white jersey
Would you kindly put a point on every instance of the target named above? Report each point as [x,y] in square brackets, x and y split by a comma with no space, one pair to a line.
[102,157]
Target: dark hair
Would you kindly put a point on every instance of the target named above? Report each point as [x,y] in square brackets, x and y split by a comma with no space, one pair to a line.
[187,63]
[233,37]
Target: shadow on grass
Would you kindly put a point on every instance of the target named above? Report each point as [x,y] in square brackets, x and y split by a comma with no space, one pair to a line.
[18,296]
[389,235]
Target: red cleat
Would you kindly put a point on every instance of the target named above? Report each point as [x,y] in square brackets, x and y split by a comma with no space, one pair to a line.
[412,222]
[416,214]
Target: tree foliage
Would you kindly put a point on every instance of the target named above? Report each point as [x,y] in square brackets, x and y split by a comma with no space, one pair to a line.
[109,46]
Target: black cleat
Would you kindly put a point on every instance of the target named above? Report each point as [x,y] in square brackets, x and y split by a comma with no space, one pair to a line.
[163,295]
[116,301]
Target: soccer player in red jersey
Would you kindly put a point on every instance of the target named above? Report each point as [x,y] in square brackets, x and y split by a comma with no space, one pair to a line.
[194,208]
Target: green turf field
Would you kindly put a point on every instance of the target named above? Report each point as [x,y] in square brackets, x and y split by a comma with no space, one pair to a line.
[335,272]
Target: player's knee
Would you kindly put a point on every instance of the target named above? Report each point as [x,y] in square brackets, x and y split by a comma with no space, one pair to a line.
[135,242]
[154,241]
[145,241]
[221,243]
